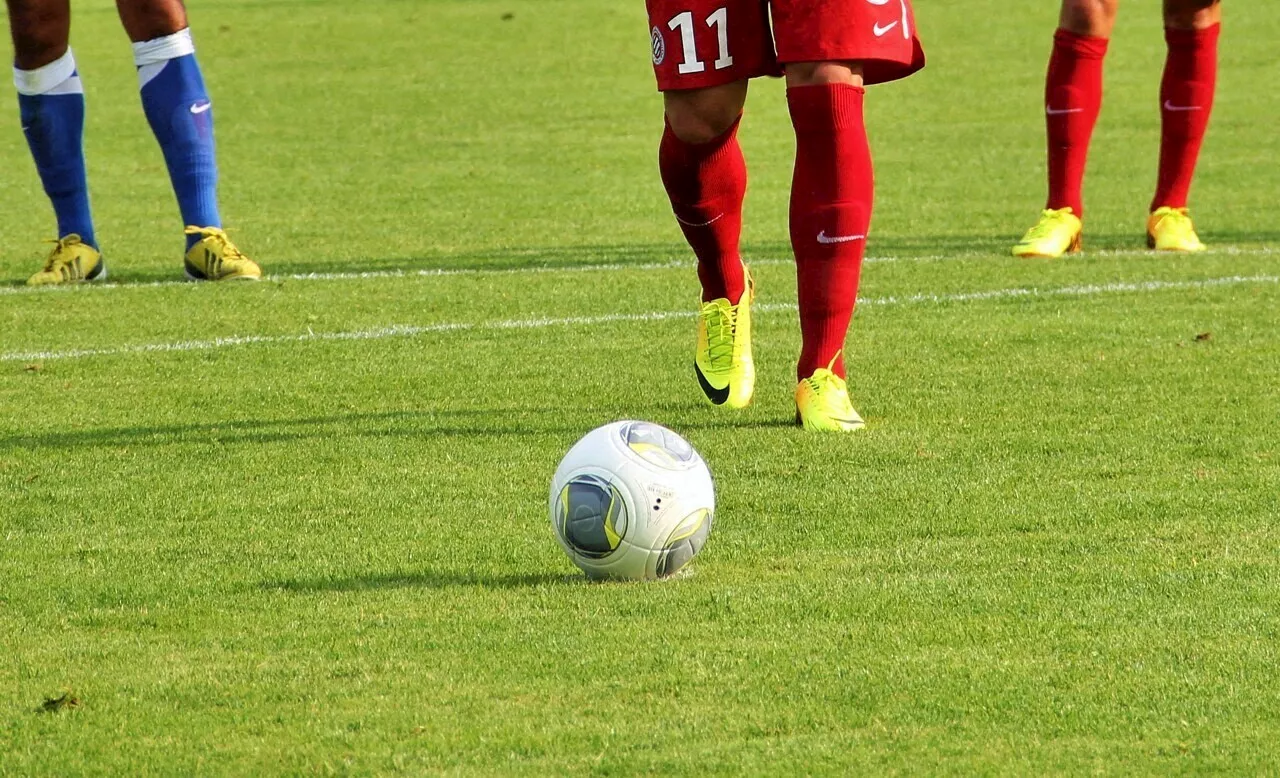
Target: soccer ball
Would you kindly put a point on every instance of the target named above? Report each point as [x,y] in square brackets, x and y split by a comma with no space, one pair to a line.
[632,500]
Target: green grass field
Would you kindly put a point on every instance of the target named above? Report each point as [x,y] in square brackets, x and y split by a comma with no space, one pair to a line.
[299,527]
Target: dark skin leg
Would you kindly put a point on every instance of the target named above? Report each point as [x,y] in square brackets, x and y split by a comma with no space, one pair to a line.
[146,20]
[42,28]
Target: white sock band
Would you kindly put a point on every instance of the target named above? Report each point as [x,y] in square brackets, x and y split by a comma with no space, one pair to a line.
[151,56]
[58,78]
[158,51]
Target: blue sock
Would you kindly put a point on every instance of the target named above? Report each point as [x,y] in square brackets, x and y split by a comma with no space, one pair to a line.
[51,103]
[180,114]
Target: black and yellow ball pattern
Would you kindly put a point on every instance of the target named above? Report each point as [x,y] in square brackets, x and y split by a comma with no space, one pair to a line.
[592,516]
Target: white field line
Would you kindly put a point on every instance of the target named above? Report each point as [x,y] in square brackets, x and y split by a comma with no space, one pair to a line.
[404,330]
[547,269]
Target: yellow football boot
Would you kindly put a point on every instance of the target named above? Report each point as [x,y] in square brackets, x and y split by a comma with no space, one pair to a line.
[822,403]
[1057,233]
[215,258]
[722,361]
[71,261]
[1170,229]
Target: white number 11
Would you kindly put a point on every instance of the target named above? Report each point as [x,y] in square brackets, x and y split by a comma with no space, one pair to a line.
[684,23]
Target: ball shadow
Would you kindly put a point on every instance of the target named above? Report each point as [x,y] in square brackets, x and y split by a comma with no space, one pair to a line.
[424,579]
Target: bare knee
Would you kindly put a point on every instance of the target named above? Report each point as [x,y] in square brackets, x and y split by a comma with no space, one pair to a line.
[702,115]
[146,20]
[40,31]
[1095,18]
[817,73]
[1191,14]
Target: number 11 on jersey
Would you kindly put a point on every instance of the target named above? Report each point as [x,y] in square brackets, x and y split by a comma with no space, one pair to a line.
[683,22]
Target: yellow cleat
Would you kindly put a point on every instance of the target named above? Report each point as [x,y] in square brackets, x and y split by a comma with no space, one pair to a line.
[822,403]
[723,363]
[1057,233]
[216,258]
[71,261]
[1170,229]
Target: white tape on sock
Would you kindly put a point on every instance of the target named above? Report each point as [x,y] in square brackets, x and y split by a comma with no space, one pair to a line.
[58,77]
[158,51]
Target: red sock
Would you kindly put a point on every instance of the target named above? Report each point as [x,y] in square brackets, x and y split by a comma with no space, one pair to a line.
[706,183]
[1186,99]
[1072,100]
[831,196]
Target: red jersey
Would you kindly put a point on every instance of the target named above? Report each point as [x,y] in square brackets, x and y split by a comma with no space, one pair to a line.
[702,43]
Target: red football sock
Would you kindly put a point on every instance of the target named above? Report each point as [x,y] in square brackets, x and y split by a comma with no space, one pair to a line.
[1186,99]
[706,183]
[1072,100]
[831,197]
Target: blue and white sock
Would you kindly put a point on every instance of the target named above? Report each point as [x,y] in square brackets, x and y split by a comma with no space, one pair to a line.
[51,102]
[181,116]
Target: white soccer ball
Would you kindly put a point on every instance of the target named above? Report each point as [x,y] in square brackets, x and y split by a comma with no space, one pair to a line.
[632,500]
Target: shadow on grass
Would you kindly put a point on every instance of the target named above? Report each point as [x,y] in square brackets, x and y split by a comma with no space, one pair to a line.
[421,580]
[497,259]
[1223,241]
[230,431]
[1228,237]
[519,258]
[423,424]
[569,257]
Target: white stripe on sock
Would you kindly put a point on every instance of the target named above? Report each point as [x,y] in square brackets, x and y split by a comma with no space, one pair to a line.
[51,78]
[148,72]
[151,56]
[72,86]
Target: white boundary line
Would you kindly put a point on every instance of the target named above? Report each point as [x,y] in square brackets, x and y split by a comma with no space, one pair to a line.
[551,269]
[402,330]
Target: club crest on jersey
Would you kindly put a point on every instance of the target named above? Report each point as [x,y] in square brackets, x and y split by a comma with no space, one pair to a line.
[659,47]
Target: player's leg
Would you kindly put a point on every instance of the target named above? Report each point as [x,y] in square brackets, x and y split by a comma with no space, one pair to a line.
[831,199]
[829,50]
[1186,100]
[1072,101]
[704,52]
[51,105]
[705,176]
[180,113]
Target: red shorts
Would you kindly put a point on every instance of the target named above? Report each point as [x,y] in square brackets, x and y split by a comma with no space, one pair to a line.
[702,43]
